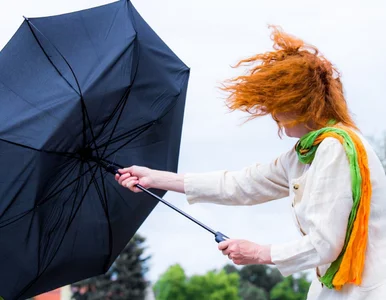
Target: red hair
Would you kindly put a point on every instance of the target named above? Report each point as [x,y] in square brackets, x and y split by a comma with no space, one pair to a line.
[295,79]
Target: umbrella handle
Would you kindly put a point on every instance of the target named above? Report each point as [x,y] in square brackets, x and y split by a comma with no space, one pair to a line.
[220,237]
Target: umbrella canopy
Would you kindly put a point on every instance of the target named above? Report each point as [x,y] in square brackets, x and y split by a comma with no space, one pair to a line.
[79,91]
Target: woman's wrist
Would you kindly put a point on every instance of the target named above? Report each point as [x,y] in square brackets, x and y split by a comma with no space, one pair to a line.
[263,255]
[167,181]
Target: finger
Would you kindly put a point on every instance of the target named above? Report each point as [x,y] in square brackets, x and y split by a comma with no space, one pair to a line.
[135,189]
[117,177]
[128,181]
[223,245]
[131,184]
[238,262]
[226,251]
[230,256]
[125,170]
[124,177]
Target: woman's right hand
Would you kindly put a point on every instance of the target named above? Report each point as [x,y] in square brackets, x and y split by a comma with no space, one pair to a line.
[130,177]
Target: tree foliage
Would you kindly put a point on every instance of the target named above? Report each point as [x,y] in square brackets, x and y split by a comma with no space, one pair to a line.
[252,282]
[260,282]
[174,284]
[261,276]
[124,280]
[249,291]
[291,288]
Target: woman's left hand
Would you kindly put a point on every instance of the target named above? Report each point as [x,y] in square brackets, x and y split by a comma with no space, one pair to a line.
[243,252]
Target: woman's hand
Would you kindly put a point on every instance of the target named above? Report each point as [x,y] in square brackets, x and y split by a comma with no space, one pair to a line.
[243,252]
[150,178]
[129,177]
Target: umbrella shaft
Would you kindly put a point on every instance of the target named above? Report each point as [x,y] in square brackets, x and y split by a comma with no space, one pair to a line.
[175,208]
[113,169]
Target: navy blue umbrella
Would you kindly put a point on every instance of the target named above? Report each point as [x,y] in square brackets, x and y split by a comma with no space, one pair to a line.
[81,94]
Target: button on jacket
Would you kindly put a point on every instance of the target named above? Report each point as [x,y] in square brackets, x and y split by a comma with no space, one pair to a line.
[322,200]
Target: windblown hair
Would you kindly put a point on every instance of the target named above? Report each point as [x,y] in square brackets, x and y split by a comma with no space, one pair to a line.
[294,79]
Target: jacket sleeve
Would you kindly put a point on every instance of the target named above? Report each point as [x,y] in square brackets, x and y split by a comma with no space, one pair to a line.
[325,209]
[255,184]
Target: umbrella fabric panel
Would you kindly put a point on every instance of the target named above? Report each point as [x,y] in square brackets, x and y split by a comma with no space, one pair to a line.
[34,97]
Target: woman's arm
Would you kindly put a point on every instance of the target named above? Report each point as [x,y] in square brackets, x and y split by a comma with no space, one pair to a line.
[255,184]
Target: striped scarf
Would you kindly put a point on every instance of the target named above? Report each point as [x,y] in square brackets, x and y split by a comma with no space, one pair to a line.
[348,267]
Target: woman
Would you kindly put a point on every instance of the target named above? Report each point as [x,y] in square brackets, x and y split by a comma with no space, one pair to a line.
[336,181]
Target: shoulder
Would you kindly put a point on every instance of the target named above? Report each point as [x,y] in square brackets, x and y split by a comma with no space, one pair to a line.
[330,144]
[290,162]
[330,149]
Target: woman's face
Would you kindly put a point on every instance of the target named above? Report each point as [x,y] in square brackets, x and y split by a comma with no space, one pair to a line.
[296,131]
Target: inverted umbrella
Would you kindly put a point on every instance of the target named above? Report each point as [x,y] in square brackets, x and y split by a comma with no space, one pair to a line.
[81,94]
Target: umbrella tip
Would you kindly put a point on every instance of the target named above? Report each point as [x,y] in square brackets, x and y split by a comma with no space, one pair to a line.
[25,18]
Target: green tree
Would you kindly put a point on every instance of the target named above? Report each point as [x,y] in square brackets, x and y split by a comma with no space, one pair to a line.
[230,269]
[291,289]
[124,280]
[174,284]
[261,276]
[213,286]
[256,281]
[248,291]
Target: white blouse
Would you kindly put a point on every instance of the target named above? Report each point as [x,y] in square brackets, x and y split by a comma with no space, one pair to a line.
[322,201]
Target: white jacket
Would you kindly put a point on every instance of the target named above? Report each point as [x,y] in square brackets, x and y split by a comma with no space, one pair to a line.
[322,201]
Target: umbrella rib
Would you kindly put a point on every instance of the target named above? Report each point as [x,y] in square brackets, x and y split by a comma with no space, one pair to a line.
[30,25]
[54,192]
[67,185]
[129,141]
[83,196]
[116,122]
[48,237]
[84,109]
[127,92]
[60,243]
[31,104]
[112,115]
[39,262]
[152,123]
[65,154]
[97,189]
[19,216]
[108,220]
[76,189]
[79,92]
[63,172]
[89,37]
[103,200]
[125,135]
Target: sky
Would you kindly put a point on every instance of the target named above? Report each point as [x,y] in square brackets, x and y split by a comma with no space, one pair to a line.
[210,36]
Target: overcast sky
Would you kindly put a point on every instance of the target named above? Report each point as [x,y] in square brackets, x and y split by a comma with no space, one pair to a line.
[209,36]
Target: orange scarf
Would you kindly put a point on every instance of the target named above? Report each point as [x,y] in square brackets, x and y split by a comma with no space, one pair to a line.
[348,267]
